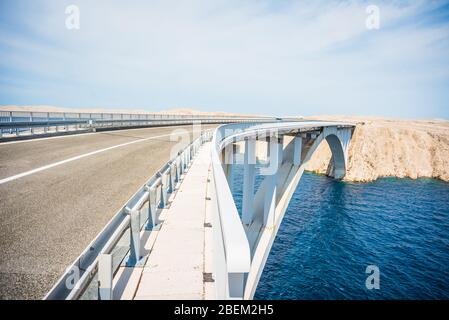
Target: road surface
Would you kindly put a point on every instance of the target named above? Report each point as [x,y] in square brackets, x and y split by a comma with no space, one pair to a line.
[56,195]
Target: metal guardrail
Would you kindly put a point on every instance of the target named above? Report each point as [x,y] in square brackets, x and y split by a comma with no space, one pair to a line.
[16,123]
[90,276]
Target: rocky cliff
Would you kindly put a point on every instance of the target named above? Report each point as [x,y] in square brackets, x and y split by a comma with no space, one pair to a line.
[392,148]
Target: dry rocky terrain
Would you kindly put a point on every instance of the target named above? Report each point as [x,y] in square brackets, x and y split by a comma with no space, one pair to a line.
[391,148]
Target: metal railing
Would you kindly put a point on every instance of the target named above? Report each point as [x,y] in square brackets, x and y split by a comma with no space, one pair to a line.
[19,123]
[119,243]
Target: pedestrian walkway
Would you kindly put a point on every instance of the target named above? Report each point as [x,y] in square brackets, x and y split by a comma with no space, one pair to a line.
[176,267]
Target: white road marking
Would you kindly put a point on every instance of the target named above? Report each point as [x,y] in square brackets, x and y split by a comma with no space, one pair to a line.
[82,134]
[48,138]
[55,164]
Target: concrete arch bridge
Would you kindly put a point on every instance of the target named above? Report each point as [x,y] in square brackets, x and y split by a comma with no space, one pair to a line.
[181,235]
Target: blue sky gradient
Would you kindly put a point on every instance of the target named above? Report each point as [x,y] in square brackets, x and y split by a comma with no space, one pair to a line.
[266,57]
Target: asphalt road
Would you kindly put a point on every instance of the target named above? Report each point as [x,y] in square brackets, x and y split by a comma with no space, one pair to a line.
[56,194]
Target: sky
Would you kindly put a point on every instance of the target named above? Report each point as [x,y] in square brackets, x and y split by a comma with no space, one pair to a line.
[261,57]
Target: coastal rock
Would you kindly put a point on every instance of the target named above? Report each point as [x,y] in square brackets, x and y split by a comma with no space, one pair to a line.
[392,148]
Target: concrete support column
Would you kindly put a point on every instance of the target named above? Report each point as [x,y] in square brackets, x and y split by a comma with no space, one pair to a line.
[275,146]
[248,181]
[229,161]
[280,150]
[298,151]
[31,120]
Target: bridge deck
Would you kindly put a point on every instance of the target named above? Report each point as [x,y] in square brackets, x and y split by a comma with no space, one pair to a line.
[177,251]
[50,216]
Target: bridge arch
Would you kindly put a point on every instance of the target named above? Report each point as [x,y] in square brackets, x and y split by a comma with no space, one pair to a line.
[338,159]
[338,142]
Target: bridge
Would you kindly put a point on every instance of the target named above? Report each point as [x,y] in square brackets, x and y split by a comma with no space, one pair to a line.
[177,231]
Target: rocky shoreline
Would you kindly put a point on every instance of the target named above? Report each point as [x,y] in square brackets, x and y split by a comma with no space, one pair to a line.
[391,148]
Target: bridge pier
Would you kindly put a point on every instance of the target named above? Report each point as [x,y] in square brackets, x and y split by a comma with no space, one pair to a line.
[229,161]
[297,150]
[249,177]
[275,147]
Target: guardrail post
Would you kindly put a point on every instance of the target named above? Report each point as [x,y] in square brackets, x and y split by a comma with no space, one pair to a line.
[248,180]
[10,120]
[56,128]
[135,258]
[164,190]
[172,178]
[169,181]
[31,120]
[181,163]
[48,124]
[189,154]
[184,160]
[178,169]
[66,127]
[105,277]
[92,125]
[153,220]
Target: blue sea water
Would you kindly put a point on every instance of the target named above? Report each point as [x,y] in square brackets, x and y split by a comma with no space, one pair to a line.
[333,230]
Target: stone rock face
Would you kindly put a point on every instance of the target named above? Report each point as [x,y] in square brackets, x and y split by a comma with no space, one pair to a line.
[391,148]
